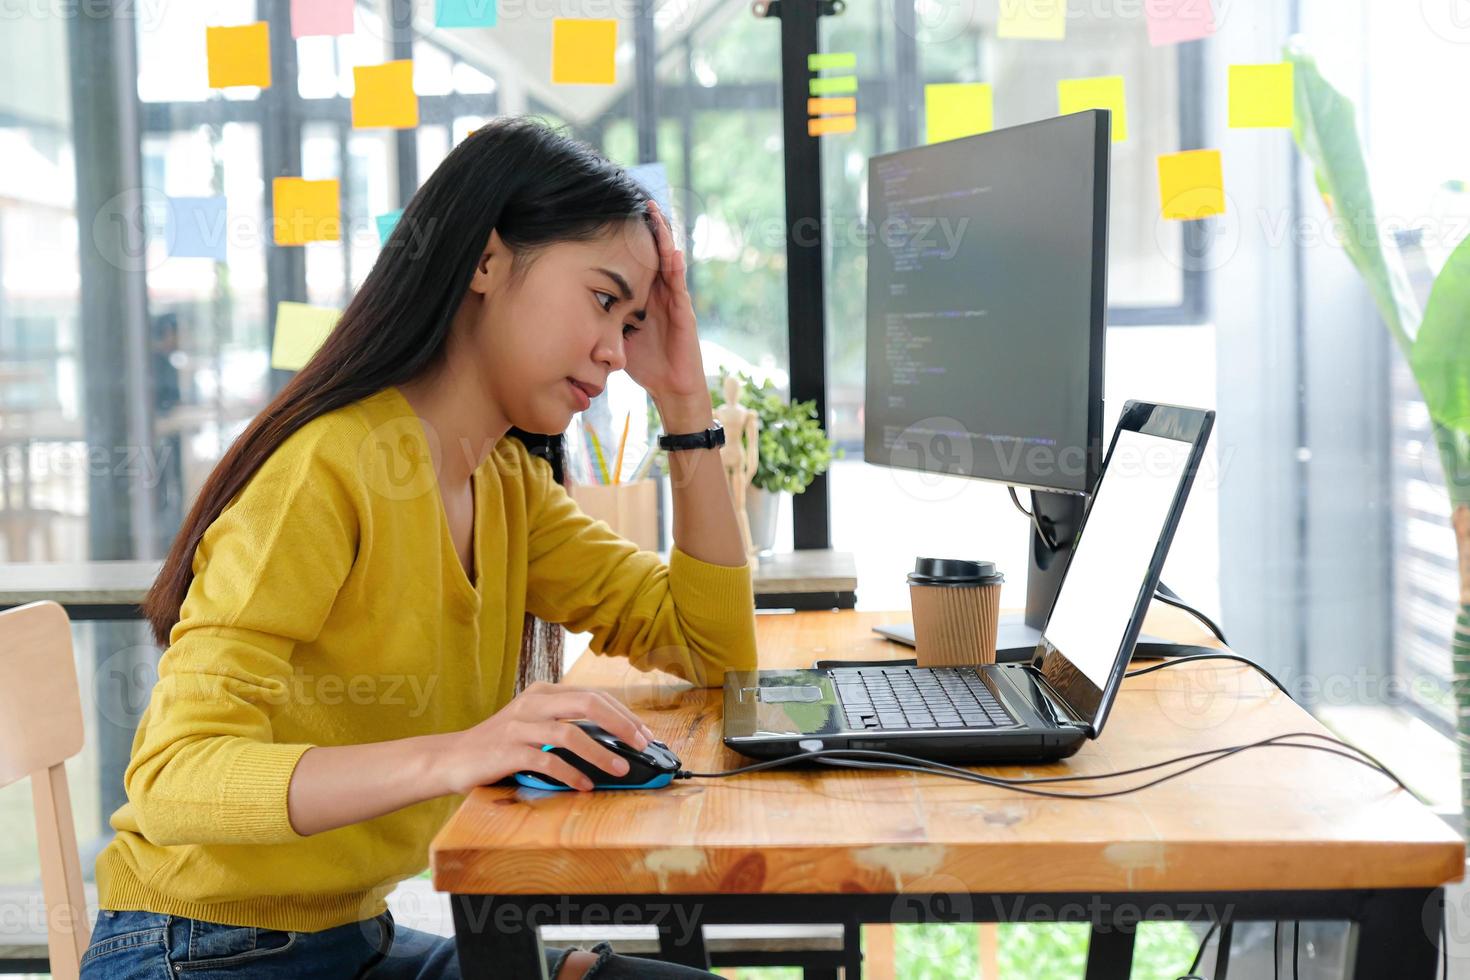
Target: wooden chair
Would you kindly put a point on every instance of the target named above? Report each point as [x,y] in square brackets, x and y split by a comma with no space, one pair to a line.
[40,728]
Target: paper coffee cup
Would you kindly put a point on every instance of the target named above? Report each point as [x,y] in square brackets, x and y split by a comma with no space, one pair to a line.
[956,607]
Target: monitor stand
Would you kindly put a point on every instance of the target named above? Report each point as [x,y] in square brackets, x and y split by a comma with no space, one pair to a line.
[1018,634]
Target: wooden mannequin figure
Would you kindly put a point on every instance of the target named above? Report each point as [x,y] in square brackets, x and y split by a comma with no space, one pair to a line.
[740,453]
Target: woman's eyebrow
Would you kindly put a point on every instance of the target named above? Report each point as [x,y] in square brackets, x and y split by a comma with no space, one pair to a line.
[623,288]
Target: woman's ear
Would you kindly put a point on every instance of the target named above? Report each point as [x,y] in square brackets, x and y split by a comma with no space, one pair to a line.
[492,267]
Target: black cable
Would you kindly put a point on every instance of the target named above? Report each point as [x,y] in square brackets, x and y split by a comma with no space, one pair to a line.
[1036,521]
[1200,953]
[1165,595]
[874,759]
[1296,950]
[1210,656]
[1276,952]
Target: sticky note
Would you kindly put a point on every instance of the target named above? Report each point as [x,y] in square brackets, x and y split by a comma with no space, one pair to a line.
[582,51]
[384,96]
[239,55]
[1173,21]
[300,330]
[836,85]
[197,228]
[956,109]
[1262,96]
[654,179]
[1191,185]
[1106,92]
[831,106]
[827,125]
[833,59]
[1037,20]
[306,211]
[386,223]
[313,18]
[464,13]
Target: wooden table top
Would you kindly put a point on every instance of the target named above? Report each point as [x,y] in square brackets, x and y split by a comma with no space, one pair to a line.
[1268,818]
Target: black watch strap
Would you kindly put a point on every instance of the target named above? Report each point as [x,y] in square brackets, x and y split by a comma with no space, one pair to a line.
[710,438]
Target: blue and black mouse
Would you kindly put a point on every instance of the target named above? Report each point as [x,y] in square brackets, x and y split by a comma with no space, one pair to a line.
[650,769]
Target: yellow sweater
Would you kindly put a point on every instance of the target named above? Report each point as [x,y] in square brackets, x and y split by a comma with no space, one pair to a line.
[329,607]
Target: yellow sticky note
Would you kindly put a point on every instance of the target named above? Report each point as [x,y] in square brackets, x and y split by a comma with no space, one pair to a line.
[300,330]
[239,55]
[1106,92]
[306,211]
[1262,96]
[1037,20]
[828,125]
[953,110]
[582,51]
[383,96]
[1191,185]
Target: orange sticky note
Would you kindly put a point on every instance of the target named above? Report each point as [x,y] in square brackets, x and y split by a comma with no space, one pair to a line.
[383,96]
[306,211]
[1191,185]
[1037,20]
[1262,96]
[956,109]
[300,330]
[582,51]
[1077,94]
[831,106]
[827,125]
[239,55]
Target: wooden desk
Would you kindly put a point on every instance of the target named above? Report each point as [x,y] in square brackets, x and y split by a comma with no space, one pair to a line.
[1269,834]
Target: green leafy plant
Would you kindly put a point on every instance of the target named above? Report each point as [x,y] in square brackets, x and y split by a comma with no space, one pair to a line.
[794,449]
[1435,340]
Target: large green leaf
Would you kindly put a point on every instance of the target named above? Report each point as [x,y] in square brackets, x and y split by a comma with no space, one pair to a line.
[1441,355]
[1326,129]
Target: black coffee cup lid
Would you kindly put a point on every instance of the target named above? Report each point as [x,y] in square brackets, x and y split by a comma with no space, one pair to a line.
[953,571]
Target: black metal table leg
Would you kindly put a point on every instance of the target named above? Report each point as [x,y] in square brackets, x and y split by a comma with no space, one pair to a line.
[491,945]
[683,943]
[1397,934]
[1110,952]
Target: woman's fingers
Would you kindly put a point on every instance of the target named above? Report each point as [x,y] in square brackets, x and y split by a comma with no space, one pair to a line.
[563,704]
[580,744]
[553,765]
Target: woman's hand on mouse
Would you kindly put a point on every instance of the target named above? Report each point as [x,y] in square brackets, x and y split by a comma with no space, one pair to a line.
[510,740]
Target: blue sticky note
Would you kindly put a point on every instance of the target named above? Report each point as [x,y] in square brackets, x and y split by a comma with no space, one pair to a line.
[464,13]
[386,224]
[654,178]
[197,228]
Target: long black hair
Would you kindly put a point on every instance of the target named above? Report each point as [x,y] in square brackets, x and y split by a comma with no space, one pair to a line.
[515,175]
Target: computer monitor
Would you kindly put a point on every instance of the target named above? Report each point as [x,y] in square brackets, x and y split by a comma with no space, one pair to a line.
[987,289]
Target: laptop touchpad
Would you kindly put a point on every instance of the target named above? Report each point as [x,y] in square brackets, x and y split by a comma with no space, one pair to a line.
[797,692]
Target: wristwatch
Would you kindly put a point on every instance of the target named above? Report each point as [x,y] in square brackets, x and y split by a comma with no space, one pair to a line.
[710,438]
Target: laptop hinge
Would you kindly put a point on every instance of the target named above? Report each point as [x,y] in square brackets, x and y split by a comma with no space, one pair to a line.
[1058,703]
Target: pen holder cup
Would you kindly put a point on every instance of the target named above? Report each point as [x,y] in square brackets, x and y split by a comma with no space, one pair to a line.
[630,509]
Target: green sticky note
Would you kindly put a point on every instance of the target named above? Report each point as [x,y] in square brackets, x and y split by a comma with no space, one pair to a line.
[300,330]
[835,59]
[1035,20]
[464,13]
[1262,96]
[956,109]
[836,85]
[1106,92]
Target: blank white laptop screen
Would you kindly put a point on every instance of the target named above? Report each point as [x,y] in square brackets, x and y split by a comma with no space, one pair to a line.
[1111,561]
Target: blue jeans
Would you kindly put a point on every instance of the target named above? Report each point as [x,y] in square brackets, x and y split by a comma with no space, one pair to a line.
[137,945]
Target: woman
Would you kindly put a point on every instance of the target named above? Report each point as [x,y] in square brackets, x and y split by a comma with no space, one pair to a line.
[355,611]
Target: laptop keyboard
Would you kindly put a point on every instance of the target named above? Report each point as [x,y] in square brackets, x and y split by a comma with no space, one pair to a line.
[908,698]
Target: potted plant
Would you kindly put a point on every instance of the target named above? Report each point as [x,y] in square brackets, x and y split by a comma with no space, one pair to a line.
[794,451]
[1434,339]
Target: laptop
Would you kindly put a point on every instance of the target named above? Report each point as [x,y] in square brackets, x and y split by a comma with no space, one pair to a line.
[1043,709]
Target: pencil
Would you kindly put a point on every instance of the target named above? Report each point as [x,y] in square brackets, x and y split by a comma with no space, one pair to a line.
[597,448]
[618,466]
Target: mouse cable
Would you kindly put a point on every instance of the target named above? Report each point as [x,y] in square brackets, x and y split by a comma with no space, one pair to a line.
[874,759]
[1036,520]
[1211,656]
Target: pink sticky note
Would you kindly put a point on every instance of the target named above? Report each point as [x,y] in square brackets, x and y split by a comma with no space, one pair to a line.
[310,18]
[1173,21]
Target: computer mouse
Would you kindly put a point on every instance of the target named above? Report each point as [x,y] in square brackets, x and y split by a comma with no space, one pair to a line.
[649,769]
